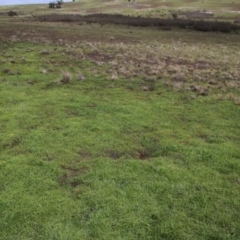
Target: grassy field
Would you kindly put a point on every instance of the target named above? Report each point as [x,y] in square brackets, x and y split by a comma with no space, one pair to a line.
[221,9]
[118,132]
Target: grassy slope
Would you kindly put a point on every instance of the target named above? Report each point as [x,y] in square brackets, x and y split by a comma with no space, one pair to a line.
[87,6]
[86,160]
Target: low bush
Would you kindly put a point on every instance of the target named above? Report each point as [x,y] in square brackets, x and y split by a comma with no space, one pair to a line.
[12,13]
[198,25]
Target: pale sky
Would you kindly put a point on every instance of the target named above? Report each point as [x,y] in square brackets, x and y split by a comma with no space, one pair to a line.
[17,2]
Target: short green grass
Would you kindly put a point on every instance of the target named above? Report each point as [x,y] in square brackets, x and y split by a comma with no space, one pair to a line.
[83,161]
[102,159]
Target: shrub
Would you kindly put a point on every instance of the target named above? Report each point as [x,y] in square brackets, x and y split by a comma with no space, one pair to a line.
[57,4]
[12,13]
[52,5]
[174,15]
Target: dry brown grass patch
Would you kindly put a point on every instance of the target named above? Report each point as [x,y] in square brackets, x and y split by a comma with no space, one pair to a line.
[66,77]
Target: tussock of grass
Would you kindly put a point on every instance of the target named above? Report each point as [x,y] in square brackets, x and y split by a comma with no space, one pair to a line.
[66,77]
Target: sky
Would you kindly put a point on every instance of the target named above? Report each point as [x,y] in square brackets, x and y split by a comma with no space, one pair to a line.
[17,2]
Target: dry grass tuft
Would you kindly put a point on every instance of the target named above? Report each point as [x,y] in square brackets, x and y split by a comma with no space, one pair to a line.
[150,79]
[201,90]
[173,69]
[45,52]
[237,100]
[66,77]
[81,77]
[43,71]
[179,77]
[231,84]
[145,88]
[177,85]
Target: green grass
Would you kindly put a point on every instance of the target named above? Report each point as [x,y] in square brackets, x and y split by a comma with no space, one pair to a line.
[71,162]
[102,159]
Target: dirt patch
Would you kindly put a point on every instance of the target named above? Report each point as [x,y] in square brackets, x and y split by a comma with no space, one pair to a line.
[182,62]
[196,15]
[142,155]
[98,56]
[115,155]
[70,175]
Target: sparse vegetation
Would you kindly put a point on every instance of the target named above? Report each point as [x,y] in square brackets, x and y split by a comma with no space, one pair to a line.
[198,25]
